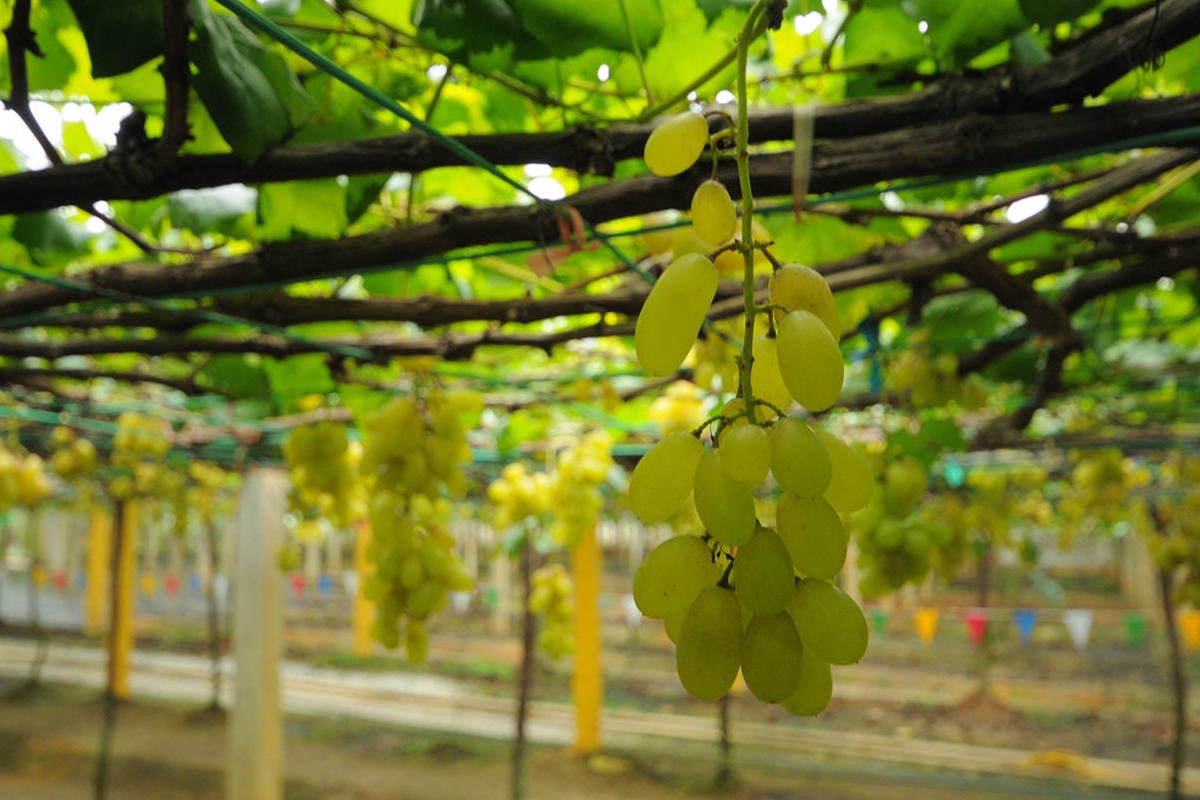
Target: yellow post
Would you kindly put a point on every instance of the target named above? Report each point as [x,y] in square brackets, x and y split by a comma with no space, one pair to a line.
[99,556]
[587,680]
[121,632]
[364,610]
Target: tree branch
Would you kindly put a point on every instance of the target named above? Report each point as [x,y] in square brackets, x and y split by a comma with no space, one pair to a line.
[39,376]
[176,78]
[1067,79]
[964,146]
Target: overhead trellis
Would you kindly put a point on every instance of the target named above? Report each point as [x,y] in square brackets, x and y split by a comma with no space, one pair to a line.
[955,133]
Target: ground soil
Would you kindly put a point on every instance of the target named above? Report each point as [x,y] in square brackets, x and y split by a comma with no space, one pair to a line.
[1063,706]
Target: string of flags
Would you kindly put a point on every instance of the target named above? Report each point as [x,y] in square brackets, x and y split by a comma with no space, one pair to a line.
[1078,623]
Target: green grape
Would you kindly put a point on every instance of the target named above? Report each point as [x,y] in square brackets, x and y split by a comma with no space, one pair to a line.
[673,313]
[794,287]
[672,575]
[810,360]
[766,380]
[672,624]
[813,532]
[416,641]
[904,482]
[830,623]
[709,649]
[771,657]
[850,484]
[798,459]
[663,478]
[713,215]
[814,687]
[676,143]
[763,576]
[746,453]
[725,505]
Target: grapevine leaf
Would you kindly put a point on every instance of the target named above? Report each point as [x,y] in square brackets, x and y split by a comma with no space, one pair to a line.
[121,34]
[472,28]
[1051,12]
[888,40]
[250,92]
[223,209]
[960,31]
[298,376]
[49,238]
[568,28]
[56,65]
[1028,51]
[235,376]
[310,208]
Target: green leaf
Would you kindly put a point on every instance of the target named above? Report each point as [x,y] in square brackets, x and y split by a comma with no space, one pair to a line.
[235,376]
[960,31]
[688,45]
[314,208]
[78,143]
[224,209]
[461,28]
[962,319]
[121,34]
[296,377]
[1051,12]
[49,238]
[568,27]
[1028,51]
[251,93]
[54,67]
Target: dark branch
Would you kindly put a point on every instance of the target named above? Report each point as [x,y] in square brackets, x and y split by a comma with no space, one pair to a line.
[39,377]
[1067,79]
[176,78]
[963,146]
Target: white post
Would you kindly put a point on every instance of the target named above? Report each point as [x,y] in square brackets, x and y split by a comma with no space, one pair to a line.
[255,755]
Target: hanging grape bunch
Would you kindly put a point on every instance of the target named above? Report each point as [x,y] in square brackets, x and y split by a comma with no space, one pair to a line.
[412,461]
[742,594]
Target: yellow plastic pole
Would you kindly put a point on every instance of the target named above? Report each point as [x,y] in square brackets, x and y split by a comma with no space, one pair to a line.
[364,609]
[587,679]
[121,632]
[99,556]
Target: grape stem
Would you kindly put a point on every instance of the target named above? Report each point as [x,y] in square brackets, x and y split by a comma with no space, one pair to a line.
[753,26]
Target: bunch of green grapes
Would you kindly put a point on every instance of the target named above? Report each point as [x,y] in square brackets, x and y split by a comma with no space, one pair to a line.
[23,480]
[679,408]
[139,453]
[203,491]
[895,541]
[575,497]
[322,464]
[518,494]
[412,461]
[73,457]
[551,599]
[927,380]
[1098,492]
[778,577]
[744,595]
[1172,525]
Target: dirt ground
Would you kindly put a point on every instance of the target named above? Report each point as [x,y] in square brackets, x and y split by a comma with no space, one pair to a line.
[1065,708]
[47,746]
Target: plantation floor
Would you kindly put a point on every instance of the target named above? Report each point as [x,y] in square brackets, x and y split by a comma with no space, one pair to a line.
[388,734]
